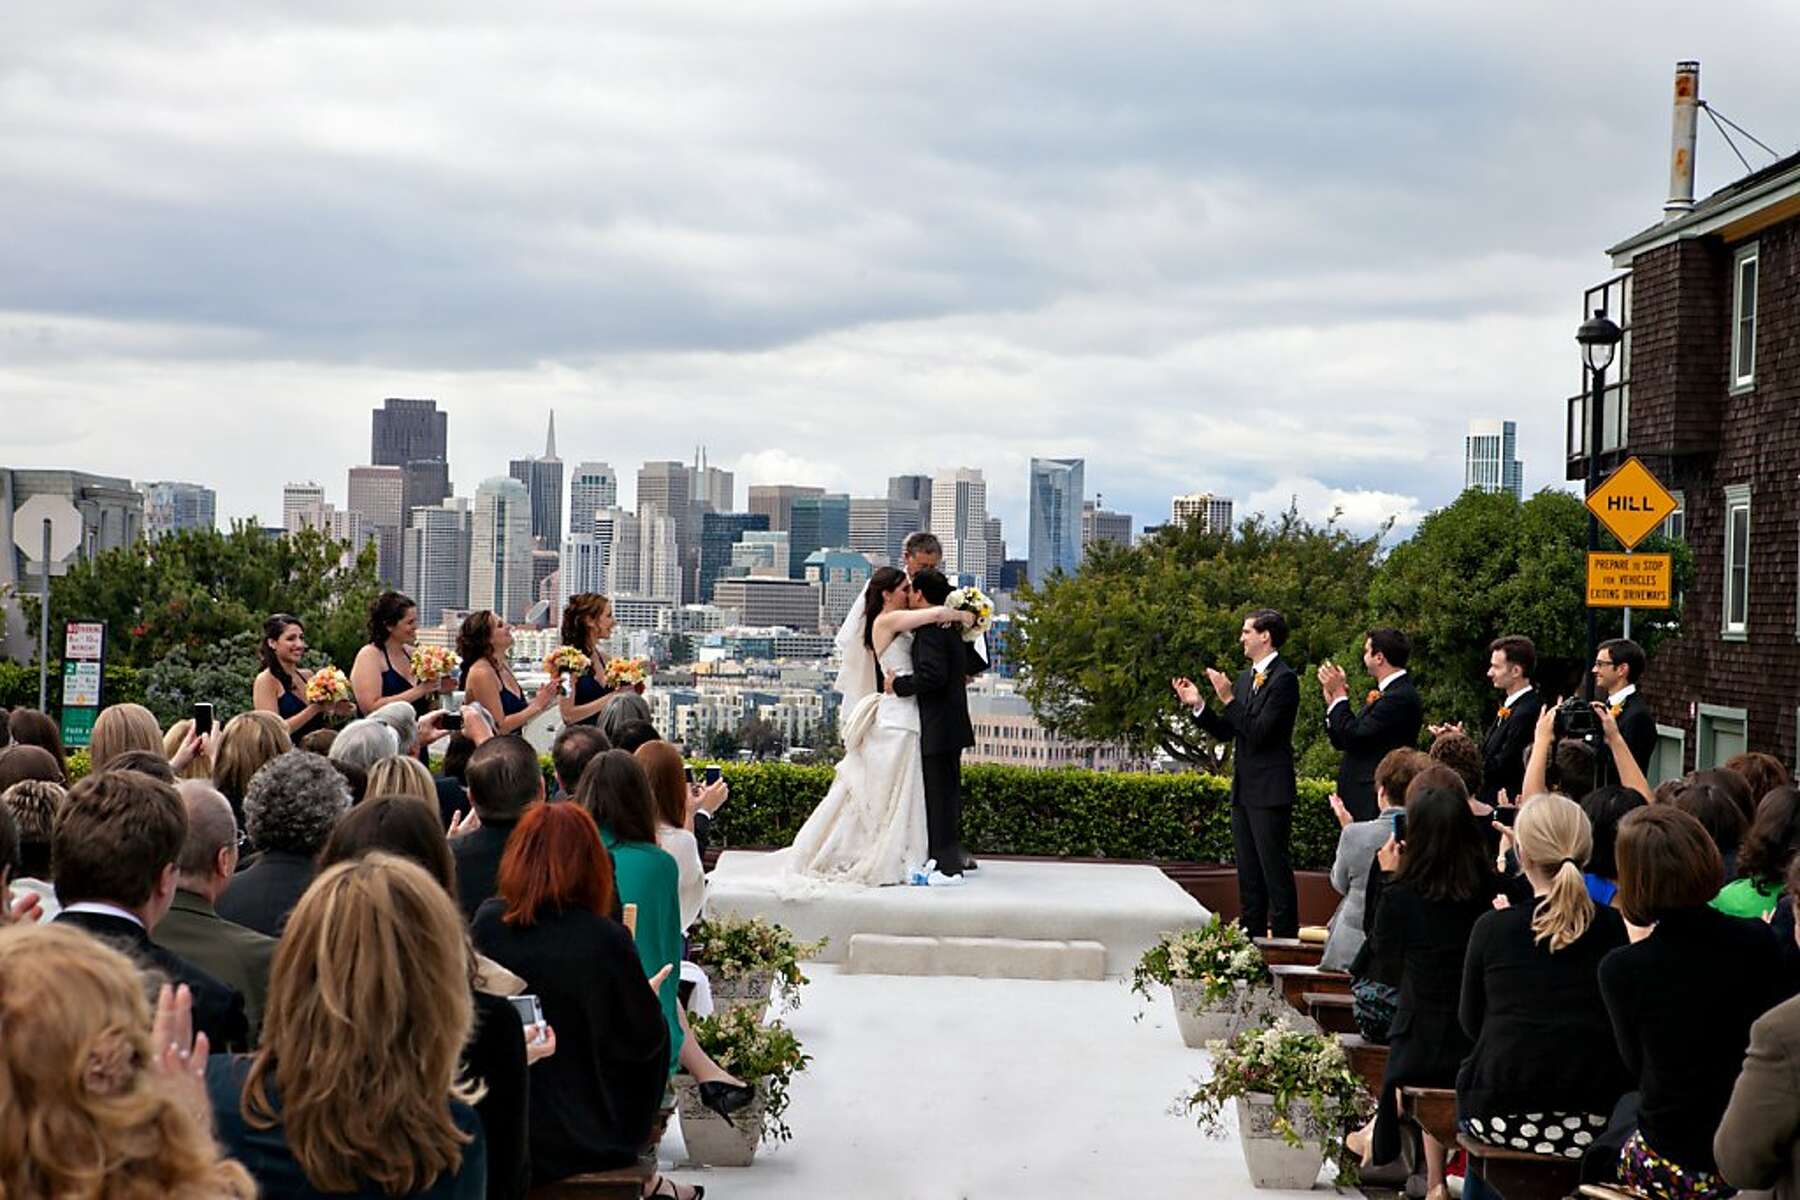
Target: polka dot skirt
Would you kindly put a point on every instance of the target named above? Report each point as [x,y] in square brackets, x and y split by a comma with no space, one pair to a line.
[1565,1134]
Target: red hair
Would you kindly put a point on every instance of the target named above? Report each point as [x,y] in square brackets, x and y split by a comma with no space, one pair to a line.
[554,860]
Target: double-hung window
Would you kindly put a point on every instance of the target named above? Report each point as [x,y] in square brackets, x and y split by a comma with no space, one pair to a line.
[1743,316]
[1737,561]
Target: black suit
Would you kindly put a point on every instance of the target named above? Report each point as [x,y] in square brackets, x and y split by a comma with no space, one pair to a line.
[218,1007]
[1259,721]
[1637,725]
[1365,738]
[1504,749]
[942,663]
[261,896]
[478,863]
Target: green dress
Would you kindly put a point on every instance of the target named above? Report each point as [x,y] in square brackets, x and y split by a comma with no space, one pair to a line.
[1747,898]
[646,875]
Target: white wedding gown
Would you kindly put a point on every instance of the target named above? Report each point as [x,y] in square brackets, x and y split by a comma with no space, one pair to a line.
[870,829]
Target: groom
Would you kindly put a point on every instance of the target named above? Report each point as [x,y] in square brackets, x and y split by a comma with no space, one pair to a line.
[942,664]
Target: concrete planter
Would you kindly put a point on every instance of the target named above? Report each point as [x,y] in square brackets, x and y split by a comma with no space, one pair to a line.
[1273,1163]
[1201,1022]
[712,1141]
[741,991]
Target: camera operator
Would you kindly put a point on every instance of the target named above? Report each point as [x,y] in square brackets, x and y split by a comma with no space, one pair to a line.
[1549,733]
[1618,667]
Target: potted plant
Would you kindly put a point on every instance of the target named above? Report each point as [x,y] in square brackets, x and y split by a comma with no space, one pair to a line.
[743,956]
[1216,975]
[1294,1095]
[766,1057]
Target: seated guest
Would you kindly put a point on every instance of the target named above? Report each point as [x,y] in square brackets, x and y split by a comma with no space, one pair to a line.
[574,746]
[1605,808]
[289,810]
[1458,751]
[1681,997]
[1763,773]
[1736,785]
[29,727]
[1716,808]
[1441,882]
[198,766]
[1767,851]
[1356,849]
[81,1052]
[402,775]
[1758,1143]
[504,780]
[628,711]
[363,743]
[1545,1072]
[122,727]
[117,840]
[19,763]
[318,741]
[248,740]
[193,928]
[667,774]
[354,1086]
[498,1053]
[591,1104]
[33,805]
[145,762]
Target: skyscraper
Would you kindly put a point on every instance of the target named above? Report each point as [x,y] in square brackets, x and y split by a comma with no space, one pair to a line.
[1490,458]
[667,487]
[879,527]
[1057,486]
[1213,512]
[719,532]
[583,564]
[435,562]
[303,507]
[712,489]
[170,507]
[776,502]
[617,531]
[543,479]
[959,518]
[996,553]
[841,576]
[1100,526]
[660,574]
[916,488]
[594,486]
[415,436]
[500,548]
[820,522]
[379,494]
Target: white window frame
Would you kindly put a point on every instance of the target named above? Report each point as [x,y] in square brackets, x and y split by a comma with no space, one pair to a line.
[1737,496]
[1743,374]
[1671,742]
[1706,730]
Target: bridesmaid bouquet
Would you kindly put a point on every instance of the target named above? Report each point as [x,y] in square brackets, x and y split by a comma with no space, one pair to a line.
[566,658]
[431,663]
[327,686]
[629,672]
[974,600]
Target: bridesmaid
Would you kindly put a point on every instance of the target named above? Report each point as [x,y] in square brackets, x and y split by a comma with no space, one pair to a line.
[587,621]
[482,644]
[280,686]
[383,668]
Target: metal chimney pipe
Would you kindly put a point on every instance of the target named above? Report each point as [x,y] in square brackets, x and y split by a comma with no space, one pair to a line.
[1686,127]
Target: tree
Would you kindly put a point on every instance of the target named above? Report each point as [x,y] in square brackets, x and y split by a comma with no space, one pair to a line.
[761,738]
[222,674]
[1098,648]
[722,744]
[1488,565]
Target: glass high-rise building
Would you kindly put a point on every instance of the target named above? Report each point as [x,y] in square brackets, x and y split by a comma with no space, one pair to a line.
[1490,458]
[435,560]
[1056,491]
[593,486]
[719,532]
[820,522]
[543,480]
[959,517]
[170,507]
[500,564]
[776,501]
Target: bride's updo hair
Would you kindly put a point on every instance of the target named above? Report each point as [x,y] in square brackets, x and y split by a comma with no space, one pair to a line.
[883,581]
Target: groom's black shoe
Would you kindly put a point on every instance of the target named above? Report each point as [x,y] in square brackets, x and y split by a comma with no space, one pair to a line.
[969,863]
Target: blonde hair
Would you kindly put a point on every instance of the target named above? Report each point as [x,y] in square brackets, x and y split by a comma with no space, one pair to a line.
[402,775]
[123,727]
[248,741]
[200,766]
[1553,835]
[368,1010]
[87,1113]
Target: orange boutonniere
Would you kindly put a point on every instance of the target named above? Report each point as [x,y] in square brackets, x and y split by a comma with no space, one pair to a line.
[1259,680]
[1617,709]
[1374,695]
[1505,712]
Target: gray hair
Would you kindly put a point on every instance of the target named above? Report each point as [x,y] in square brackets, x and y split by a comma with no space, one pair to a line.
[293,802]
[621,712]
[399,716]
[362,744]
[211,827]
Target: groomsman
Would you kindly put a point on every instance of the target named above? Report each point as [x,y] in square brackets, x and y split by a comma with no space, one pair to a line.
[1511,661]
[1618,666]
[1257,714]
[1389,719]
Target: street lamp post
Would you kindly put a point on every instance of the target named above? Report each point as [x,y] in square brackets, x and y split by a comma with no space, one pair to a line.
[1599,339]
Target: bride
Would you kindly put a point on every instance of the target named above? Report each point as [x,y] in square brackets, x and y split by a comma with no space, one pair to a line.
[870,828]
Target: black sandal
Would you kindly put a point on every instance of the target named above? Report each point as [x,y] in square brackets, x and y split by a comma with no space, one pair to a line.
[674,1191]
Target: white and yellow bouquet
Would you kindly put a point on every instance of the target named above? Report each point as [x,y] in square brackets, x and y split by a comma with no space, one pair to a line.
[974,600]
[432,663]
[328,685]
[566,658]
[628,672]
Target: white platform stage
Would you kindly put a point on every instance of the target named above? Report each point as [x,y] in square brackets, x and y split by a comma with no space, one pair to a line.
[1016,920]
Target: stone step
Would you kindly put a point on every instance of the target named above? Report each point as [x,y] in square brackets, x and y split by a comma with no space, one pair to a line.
[981,957]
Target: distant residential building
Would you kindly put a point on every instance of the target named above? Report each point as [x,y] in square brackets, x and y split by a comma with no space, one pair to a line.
[1211,511]
[500,545]
[1490,458]
[435,559]
[1100,526]
[593,486]
[841,575]
[816,523]
[640,613]
[776,502]
[170,507]
[767,601]
[959,518]
[1008,733]
[112,516]
[1057,486]
[697,618]
[879,527]
[303,507]
[379,494]
[543,480]
[915,489]
[719,532]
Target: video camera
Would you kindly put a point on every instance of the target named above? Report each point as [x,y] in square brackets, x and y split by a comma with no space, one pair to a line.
[1576,719]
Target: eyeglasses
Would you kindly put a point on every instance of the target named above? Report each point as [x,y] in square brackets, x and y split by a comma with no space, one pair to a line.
[1604,662]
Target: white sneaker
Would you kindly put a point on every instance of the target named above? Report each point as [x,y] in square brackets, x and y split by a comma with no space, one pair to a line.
[939,879]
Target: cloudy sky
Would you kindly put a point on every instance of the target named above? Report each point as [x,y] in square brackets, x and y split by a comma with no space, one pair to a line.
[1272,249]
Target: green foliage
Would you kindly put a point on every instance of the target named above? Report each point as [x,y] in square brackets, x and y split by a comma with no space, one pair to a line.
[221,673]
[19,685]
[735,946]
[761,738]
[722,744]
[767,1056]
[1219,956]
[1098,648]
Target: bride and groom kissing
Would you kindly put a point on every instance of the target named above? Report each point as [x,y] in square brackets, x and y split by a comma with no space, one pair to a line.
[896,800]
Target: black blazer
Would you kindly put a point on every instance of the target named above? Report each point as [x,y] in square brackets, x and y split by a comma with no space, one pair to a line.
[1637,725]
[1366,735]
[218,1007]
[261,896]
[478,864]
[1504,749]
[942,663]
[1260,725]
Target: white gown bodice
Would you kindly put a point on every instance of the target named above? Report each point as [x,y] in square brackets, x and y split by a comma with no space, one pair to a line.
[898,712]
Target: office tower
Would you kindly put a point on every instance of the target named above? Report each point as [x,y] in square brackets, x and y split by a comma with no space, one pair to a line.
[543,480]
[713,490]
[917,489]
[583,566]
[760,552]
[667,486]
[593,487]
[435,561]
[1098,525]
[544,564]
[776,502]
[405,430]
[303,507]
[617,530]
[719,532]
[1490,462]
[500,548]
[996,552]
[841,575]
[1057,486]
[379,494]
[818,522]
[960,520]
[170,507]
[425,483]
[765,601]
[879,527]
[348,526]
[1213,512]
[660,574]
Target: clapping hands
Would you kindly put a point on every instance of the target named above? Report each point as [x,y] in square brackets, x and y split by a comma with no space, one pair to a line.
[1333,681]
